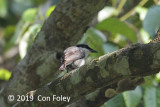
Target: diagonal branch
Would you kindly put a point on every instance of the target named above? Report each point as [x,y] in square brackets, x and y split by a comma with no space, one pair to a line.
[118,71]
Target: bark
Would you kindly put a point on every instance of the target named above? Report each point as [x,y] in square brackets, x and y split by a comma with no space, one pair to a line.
[113,73]
[63,28]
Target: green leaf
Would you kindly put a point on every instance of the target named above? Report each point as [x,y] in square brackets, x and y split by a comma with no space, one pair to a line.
[108,47]
[20,30]
[4,74]
[152,97]
[116,101]
[114,25]
[3,8]
[9,31]
[132,98]
[39,2]
[23,25]
[151,21]
[148,81]
[95,39]
[119,39]
[29,15]
[158,96]
[49,11]
[17,7]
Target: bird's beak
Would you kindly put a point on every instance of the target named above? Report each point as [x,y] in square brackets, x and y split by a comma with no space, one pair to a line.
[94,51]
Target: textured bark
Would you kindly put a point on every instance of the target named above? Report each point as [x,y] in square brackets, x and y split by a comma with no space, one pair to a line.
[63,28]
[118,71]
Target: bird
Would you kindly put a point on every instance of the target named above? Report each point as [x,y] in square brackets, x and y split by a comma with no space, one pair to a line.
[75,56]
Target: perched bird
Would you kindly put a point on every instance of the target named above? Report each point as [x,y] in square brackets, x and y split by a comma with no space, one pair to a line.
[75,56]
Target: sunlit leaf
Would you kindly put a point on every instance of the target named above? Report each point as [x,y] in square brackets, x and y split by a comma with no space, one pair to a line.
[4,74]
[132,98]
[29,15]
[49,11]
[114,25]
[158,76]
[151,21]
[106,12]
[145,36]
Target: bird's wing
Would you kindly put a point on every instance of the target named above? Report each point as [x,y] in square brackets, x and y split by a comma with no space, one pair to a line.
[71,54]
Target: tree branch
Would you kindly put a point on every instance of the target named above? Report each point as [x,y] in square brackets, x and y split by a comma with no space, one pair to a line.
[118,71]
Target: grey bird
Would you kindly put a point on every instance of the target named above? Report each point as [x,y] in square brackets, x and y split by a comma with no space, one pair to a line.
[75,56]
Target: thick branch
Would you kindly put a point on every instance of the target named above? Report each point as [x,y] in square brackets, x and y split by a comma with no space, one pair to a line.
[118,71]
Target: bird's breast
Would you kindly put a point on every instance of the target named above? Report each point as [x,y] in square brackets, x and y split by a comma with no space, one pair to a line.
[79,62]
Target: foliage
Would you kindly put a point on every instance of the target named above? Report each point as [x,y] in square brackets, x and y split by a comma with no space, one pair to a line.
[120,28]
[117,101]
[3,8]
[122,23]
[151,22]
[151,97]
[49,11]
[4,74]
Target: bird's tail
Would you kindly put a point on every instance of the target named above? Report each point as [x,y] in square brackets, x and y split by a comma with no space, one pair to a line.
[157,37]
[62,67]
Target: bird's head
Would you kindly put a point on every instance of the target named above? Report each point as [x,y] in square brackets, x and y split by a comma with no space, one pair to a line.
[86,47]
